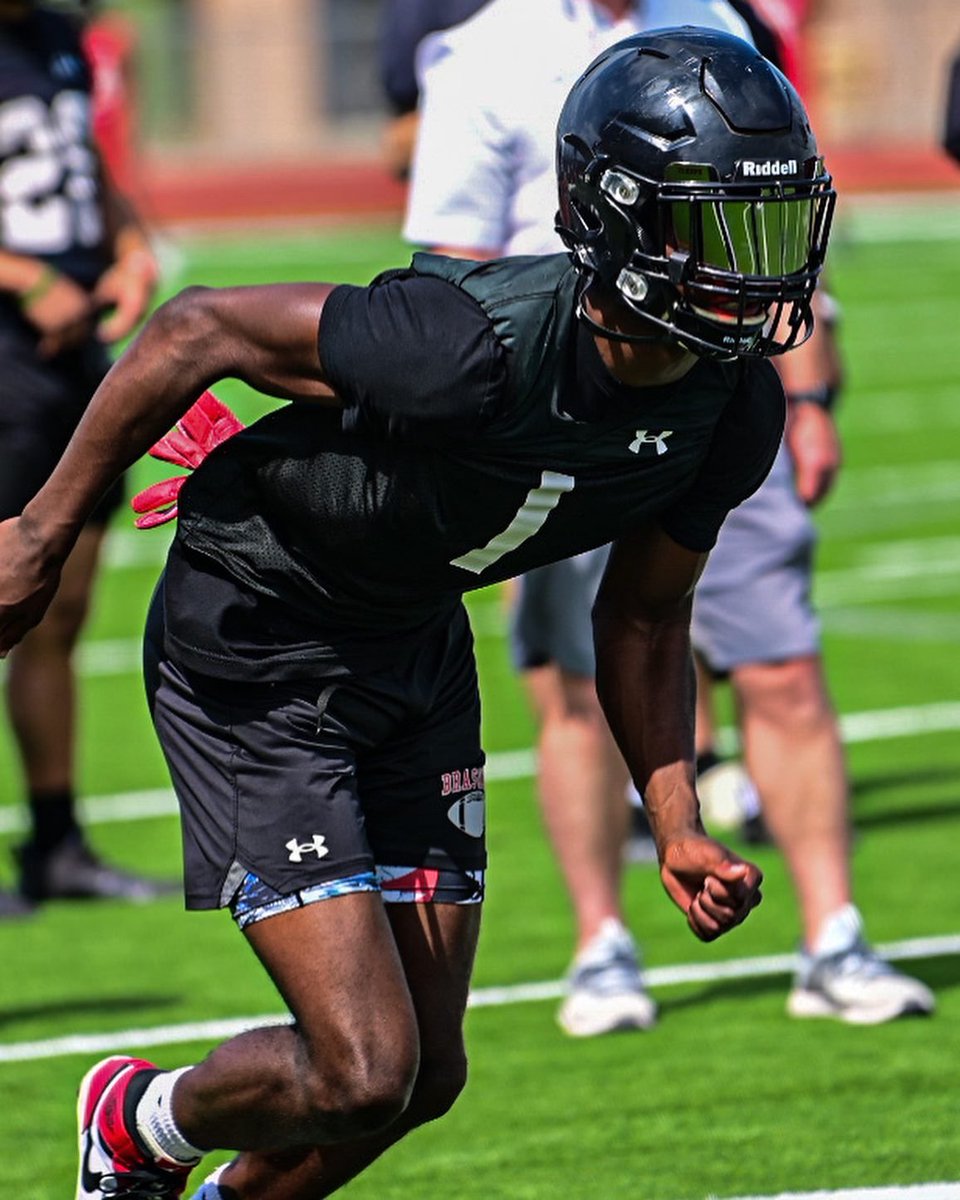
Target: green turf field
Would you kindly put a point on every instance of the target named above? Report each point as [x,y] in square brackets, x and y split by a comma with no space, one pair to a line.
[726,1097]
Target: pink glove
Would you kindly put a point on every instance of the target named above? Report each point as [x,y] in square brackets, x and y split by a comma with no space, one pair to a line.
[201,429]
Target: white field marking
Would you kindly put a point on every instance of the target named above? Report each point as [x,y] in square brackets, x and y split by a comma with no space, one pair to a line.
[893,624]
[891,484]
[917,1191]
[509,765]
[109,656]
[903,554]
[883,570]
[491,997]
[925,406]
[127,549]
[875,583]
[899,217]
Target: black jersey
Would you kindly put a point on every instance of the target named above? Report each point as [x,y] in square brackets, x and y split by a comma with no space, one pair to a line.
[481,436]
[50,190]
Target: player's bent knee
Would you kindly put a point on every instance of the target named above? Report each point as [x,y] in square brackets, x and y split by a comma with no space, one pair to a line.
[439,1085]
[361,1094]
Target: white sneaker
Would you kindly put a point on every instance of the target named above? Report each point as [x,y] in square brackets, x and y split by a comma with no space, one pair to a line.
[606,987]
[852,983]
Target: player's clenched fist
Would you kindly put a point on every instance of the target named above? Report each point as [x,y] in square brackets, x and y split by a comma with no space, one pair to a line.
[712,885]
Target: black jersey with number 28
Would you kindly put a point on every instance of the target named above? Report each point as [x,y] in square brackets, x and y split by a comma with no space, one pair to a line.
[50,188]
[480,436]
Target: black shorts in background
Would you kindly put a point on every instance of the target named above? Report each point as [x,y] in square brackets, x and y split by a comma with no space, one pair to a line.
[41,403]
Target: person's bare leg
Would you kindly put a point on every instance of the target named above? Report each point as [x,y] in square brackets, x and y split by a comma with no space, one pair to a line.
[793,752]
[582,783]
[434,947]
[55,861]
[706,733]
[40,682]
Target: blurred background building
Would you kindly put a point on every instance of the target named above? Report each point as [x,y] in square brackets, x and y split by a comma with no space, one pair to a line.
[224,84]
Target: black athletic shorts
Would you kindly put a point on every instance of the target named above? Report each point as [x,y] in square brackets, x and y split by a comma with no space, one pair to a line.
[41,404]
[298,790]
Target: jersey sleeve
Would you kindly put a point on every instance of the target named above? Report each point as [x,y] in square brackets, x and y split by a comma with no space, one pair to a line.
[461,182]
[741,454]
[403,25]
[409,349]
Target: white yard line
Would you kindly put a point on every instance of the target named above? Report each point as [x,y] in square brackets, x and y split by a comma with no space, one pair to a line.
[906,217]
[507,765]
[920,1191]
[491,997]
[893,624]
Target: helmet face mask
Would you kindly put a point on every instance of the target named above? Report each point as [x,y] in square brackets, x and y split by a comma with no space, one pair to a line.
[690,188]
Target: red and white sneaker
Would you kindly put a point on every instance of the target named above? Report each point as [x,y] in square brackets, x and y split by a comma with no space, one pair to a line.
[111,1162]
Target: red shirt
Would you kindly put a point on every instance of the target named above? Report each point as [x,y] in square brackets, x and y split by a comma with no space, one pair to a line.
[108,43]
[785,18]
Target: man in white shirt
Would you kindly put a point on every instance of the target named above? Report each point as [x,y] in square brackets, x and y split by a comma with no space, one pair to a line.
[482,186]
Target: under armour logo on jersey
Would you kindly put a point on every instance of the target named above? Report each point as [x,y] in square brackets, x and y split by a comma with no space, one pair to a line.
[644,438]
[316,846]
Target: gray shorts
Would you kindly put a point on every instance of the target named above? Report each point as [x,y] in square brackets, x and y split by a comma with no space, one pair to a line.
[551,620]
[752,603]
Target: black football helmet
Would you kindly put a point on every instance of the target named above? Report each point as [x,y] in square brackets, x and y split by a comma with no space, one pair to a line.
[691,187]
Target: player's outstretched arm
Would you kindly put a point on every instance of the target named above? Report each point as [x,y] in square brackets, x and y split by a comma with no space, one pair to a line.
[646,685]
[266,336]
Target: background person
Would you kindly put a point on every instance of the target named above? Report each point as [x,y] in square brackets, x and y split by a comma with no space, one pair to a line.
[481,186]
[403,26]
[76,273]
[481,169]
[754,623]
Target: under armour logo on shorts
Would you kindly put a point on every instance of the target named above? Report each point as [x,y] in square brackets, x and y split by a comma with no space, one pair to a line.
[316,846]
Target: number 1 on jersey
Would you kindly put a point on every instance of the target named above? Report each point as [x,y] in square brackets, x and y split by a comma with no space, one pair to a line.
[539,504]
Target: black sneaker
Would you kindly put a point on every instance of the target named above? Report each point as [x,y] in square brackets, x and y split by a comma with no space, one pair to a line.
[14,907]
[71,871]
[754,831]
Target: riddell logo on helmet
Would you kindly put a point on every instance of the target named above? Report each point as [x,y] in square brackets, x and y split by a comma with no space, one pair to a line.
[771,166]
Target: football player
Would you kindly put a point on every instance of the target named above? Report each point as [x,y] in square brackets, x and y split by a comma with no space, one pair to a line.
[310,665]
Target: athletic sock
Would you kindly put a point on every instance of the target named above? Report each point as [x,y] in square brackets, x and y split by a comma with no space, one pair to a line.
[154,1124]
[840,932]
[52,818]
